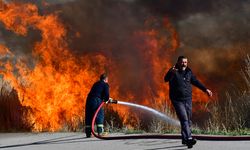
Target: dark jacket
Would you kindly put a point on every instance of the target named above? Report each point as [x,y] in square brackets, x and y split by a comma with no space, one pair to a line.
[100,89]
[180,84]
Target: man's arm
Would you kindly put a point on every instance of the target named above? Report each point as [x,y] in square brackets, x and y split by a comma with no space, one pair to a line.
[106,93]
[198,84]
[170,74]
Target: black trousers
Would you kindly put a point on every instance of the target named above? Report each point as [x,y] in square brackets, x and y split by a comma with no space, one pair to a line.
[92,105]
[184,112]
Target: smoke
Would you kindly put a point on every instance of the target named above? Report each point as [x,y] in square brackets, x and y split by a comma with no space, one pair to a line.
[216,38]
[211,34]
[109,27]
[59,1]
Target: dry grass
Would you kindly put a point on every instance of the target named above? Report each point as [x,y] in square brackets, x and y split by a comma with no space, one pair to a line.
[231,112]
[138,121]
[158,126]
[11,112]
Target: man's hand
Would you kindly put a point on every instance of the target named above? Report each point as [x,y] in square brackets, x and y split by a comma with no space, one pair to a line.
[109,101]
[209,93]
[174,69]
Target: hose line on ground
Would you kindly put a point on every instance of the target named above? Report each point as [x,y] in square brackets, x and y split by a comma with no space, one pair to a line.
[164,136]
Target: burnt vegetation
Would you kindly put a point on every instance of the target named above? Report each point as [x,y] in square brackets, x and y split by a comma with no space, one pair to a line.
[11,112]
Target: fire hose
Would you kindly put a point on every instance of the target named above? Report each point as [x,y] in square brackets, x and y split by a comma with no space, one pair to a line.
[158,136]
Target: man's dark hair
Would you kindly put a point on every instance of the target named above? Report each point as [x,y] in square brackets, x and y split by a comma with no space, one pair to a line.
[103,76]
[181,57]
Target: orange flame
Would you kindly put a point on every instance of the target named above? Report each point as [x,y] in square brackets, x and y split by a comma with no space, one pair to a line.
[56,88]
[159,46]
[156,47]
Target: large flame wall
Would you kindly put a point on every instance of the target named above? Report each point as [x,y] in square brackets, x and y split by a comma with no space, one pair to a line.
[55,87]
[67,56]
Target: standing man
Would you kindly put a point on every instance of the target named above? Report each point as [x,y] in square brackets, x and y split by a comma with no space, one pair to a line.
[181,79]
[98,93]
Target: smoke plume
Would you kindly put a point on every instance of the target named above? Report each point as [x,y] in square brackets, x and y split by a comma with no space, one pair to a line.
[212,34]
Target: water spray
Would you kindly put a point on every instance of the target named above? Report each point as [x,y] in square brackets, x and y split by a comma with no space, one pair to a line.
[158,114]
[159,136]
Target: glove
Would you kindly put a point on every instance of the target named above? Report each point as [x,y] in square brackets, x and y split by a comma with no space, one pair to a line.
[108,101]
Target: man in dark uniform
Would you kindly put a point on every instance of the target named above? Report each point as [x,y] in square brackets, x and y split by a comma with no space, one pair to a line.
[98,93]
[181,79]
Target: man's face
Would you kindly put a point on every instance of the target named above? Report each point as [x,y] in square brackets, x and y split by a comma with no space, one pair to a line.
[183,63]
[106,80]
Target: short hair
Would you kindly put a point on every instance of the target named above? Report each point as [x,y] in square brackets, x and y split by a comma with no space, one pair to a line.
[103,76]
[181,57]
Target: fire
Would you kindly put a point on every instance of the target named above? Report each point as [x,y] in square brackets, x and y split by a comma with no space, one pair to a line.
[156,47]
[55,86]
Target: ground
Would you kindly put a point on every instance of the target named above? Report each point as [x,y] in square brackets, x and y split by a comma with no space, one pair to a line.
[77,141]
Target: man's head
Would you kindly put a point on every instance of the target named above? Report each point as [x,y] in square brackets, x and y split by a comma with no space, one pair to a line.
[104,77]
[182,62]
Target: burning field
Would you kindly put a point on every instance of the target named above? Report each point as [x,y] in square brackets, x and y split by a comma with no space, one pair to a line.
[52,52]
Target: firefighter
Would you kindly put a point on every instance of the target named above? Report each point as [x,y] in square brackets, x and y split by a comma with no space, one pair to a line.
[181,79]
[98,93]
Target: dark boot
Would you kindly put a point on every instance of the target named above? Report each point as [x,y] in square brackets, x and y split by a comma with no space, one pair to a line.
[191,142]
[99,130]
[184,142]
[88,132]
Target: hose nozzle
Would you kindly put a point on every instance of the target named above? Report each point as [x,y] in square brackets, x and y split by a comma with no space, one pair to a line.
[113,101]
